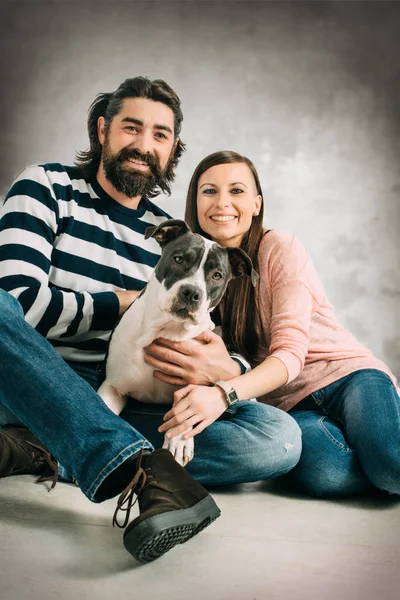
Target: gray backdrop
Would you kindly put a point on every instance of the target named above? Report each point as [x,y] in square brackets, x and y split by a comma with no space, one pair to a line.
[310,91]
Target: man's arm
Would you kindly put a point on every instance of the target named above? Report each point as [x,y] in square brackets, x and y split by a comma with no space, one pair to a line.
[182,363]
[28,234]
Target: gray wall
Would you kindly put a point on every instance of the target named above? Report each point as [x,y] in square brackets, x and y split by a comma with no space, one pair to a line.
[310,91]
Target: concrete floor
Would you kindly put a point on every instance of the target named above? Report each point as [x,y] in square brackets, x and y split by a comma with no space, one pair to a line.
[268,544]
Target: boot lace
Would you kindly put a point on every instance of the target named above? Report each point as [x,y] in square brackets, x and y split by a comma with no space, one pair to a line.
[126,501]
[53,464]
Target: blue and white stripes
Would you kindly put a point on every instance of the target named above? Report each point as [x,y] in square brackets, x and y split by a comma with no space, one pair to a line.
[65,247]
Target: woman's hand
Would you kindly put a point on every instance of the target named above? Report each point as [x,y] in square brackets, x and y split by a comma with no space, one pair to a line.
[194,406]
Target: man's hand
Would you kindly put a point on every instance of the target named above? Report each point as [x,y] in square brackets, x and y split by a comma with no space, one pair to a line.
[194,406]
[201,361]
[126,297]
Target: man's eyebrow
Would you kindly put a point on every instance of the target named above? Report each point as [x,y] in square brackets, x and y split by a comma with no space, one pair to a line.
[163,128]
[138,122]
[131,120]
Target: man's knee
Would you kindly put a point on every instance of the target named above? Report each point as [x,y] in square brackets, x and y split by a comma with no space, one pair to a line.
[275,439]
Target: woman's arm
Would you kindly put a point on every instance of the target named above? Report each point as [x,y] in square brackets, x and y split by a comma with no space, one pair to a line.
[289,279]
[198,406]
[263,379]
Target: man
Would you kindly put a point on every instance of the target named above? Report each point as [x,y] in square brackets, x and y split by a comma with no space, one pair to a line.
[73,258]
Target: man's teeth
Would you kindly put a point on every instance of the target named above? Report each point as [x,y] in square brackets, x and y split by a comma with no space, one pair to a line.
[136,162]
[227,218]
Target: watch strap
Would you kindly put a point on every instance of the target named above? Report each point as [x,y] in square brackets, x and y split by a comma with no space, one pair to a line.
[230,392]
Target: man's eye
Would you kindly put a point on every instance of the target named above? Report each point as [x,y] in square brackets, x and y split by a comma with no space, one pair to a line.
[131,128]
[217,275]
[178,260]
[161,135]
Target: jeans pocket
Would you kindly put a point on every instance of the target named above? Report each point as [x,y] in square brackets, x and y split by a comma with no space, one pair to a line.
[334,434]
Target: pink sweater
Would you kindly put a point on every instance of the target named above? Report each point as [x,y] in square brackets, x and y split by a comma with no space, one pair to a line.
[300,326]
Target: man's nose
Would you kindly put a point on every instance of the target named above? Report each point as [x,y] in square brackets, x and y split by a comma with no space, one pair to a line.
[143,142]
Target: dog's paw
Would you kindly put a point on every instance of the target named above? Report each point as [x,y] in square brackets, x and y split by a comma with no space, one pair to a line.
[182,450]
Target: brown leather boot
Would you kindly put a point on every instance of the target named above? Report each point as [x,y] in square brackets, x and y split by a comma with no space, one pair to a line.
[173,507]
[21,453]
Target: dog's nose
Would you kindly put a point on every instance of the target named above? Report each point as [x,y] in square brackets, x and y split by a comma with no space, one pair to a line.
[189,294]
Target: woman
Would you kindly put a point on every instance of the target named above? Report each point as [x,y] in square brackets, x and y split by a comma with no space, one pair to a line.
[304,362]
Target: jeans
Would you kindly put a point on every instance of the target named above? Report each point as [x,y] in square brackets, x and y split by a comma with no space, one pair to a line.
[250,442]
[351,437]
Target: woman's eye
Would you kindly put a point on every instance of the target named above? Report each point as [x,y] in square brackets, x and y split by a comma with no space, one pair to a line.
[237,191]
[178,260]
[217,275]
[209,191]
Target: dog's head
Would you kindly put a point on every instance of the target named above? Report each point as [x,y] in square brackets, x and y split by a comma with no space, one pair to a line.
[193,272]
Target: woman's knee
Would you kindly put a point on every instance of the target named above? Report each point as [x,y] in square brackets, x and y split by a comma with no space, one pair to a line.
[384,470]
[329,479]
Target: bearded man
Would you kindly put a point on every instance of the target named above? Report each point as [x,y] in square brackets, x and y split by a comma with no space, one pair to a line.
[72,259]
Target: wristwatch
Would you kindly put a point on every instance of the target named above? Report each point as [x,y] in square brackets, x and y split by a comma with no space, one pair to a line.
[230,392]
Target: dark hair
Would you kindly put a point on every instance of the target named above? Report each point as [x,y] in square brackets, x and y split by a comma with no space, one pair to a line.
[241,324]
[108,105]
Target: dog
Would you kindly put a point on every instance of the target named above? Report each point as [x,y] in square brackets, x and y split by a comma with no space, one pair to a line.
[188,282]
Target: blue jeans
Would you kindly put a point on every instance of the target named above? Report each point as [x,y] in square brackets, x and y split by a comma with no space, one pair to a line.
[351,437]
[60,406]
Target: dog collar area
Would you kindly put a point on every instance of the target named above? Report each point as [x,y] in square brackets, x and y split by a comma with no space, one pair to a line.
[230,392]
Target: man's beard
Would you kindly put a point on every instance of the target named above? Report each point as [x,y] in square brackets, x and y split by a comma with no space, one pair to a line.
[130,181]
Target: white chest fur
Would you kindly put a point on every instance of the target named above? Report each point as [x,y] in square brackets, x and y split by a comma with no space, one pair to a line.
[126,370]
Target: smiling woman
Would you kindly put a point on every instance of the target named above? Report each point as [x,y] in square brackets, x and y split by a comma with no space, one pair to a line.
[227,199]
[304,362]
[225,203]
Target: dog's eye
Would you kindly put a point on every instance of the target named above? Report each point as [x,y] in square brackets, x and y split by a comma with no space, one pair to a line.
[178,260]
[217,275]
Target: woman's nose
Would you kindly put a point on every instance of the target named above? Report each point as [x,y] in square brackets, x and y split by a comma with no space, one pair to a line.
[223,200]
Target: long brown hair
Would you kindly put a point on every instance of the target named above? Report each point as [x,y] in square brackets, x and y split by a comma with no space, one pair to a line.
[108,105]
[241,321]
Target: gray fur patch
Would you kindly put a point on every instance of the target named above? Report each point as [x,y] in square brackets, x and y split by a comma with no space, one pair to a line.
[180,259]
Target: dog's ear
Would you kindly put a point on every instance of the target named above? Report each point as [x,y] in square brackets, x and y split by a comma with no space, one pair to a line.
[241,264]
[167,231]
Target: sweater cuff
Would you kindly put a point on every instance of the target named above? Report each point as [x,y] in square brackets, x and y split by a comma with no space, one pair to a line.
[242,362]
[105,311]
[291,362]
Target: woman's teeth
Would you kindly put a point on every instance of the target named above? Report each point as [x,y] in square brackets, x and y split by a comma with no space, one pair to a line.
[227,218]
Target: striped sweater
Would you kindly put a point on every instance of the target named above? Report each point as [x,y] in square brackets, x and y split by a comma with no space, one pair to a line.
[65,247]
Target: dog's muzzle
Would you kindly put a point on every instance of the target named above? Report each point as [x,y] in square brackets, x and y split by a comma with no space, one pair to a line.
[187,302]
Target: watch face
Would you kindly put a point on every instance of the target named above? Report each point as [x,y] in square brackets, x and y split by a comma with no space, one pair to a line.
[233,396]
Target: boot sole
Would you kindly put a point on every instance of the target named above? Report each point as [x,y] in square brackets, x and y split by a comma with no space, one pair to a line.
[153,537]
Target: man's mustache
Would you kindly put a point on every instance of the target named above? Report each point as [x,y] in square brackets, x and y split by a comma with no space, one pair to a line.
[148,159]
